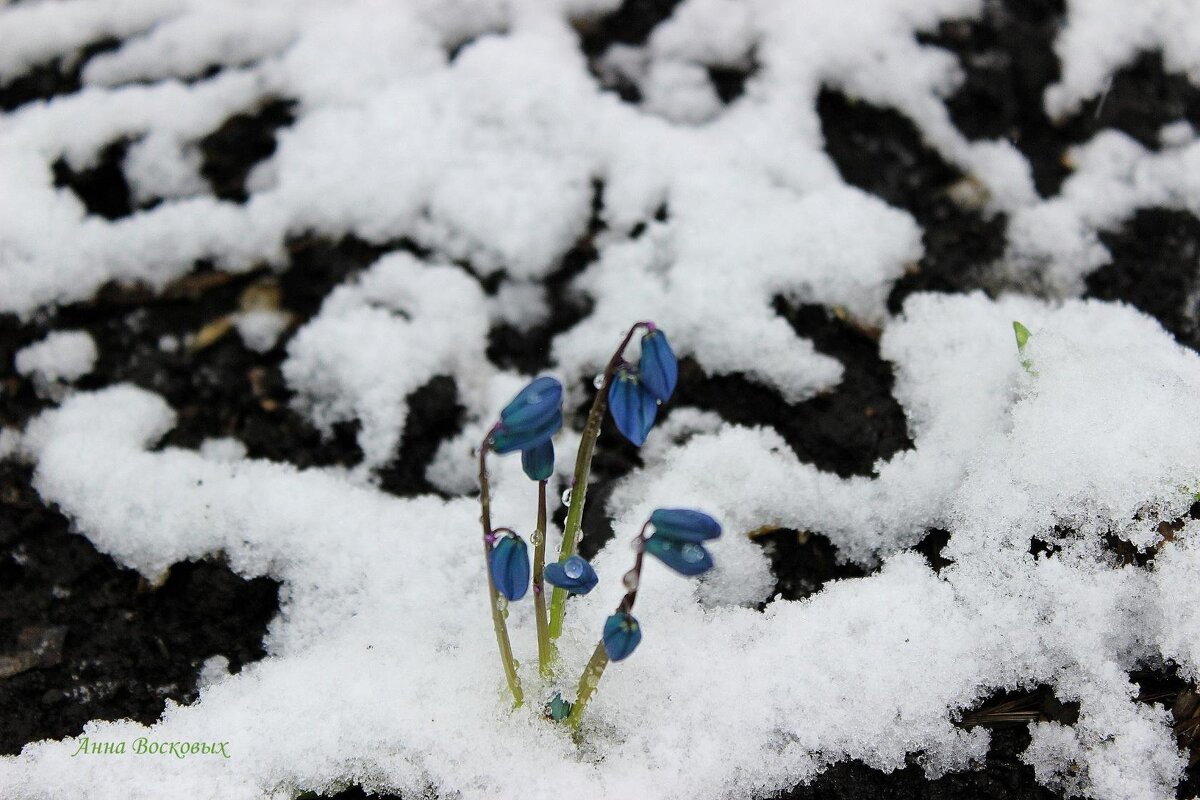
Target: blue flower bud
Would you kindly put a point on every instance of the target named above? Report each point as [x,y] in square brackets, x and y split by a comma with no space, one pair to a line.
[532,417]
[510,567]
[633,408]
[686,558]
[507,440]
[575,575]
[538,461]
[684,525]
[558,709]
[541,398]
[622,634]
[658,365]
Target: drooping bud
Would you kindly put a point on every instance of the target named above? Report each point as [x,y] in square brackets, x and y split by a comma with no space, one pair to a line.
[622,635]
[658,366]
[633,408]
[575,575]
[510,567]
[684,525]
[538,461]
[532,417]
[686,558]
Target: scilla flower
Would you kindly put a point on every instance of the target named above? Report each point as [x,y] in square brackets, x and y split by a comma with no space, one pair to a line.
[622,635]
[678,533]
[658,366]
[632,405]
[532,417]
[510,567]
[575,575]
[538,461]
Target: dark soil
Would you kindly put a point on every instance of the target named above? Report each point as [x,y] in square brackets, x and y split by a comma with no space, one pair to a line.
[122,647]
[101,187]
[1008,61]
[231,151]
[112,646]
[1155,267]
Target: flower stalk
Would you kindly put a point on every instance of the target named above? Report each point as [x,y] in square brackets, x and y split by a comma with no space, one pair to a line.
[546,648]
[498,609]
[600,656]
[583,467]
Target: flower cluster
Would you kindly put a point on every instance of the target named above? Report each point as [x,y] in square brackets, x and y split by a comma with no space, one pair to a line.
[637,391]
[675,540]
[675,536]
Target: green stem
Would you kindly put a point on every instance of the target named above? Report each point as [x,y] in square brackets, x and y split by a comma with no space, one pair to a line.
[595,667]
[506,656]
[545,648]
[583,466]
[587,684]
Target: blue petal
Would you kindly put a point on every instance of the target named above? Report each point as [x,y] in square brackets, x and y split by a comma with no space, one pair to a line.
[622,634]
[508,440]
[632,407]
[684,525]
[575,575]
[538,461]
[533,404]
[510,567]
[686,558]
[658,365]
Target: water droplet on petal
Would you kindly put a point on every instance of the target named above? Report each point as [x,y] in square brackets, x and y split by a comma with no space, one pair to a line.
[598,381]
[630,581]
[573,568]
[566,497]
[692,553]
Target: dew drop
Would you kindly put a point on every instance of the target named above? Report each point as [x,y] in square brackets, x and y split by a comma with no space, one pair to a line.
[502,604]
[573,568]
[516,664]
[536,538]
[692,553]
[630,581]
[598,381]
[566,497]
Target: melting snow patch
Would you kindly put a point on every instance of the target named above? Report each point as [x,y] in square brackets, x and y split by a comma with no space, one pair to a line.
[62,357]
[845,674]
[380,666]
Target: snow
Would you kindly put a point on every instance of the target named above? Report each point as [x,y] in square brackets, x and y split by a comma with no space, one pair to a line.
[382,337]
[845,673]
[261,328]
[59,359]
[489,164]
